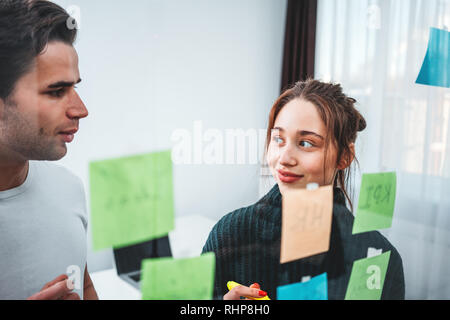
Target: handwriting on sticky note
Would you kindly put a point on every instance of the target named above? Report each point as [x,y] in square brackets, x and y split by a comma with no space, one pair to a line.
[131,199]
[367,278]
[376,202]
[178,279]
[138,196]
[311,217]
[377,194]
[306,223]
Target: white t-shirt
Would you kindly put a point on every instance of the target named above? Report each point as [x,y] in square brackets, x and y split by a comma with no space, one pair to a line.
[43,231]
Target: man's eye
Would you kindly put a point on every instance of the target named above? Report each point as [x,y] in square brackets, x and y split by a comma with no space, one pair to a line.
[56,93]
[306,144]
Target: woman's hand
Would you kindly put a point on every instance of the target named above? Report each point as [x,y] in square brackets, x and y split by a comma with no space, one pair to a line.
[254,291]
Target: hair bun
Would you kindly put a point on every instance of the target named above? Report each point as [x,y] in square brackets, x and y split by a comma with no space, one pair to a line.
[361,124]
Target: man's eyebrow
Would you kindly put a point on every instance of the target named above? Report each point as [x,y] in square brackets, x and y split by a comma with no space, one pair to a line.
[63,84]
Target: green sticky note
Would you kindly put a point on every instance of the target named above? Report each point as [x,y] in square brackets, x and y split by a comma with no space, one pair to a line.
[376,202]
[367,278]
[178,279]
[131,199]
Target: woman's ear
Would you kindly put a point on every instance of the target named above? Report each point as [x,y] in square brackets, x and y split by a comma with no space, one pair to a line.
[347,157]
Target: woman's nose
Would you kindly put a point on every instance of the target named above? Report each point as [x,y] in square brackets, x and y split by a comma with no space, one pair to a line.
[287,156]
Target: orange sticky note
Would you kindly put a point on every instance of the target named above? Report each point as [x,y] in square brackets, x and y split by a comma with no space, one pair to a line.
[306,223]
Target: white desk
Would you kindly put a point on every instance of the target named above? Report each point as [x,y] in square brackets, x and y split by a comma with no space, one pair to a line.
[110,287]
[186,240]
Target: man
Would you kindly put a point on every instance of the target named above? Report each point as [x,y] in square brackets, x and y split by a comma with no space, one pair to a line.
[43,218]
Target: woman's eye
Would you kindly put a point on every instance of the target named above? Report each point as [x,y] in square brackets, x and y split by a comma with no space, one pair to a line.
[277,139]
[306,144]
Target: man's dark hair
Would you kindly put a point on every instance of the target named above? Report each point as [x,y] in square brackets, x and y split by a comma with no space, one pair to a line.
[26,27]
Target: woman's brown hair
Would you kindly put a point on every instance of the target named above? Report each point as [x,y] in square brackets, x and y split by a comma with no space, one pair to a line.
[339,115]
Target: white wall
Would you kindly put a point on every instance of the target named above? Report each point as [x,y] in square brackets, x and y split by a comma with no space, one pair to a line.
[150,67]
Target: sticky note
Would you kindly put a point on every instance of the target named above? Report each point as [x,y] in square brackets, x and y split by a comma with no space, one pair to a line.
[435,69]
[306,223]
[131,199]
[376,202]
[178,279]
[314,289]
[306,278]
[367,278]
[372,252]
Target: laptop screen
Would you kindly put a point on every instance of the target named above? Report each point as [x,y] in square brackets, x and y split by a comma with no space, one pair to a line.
[128,259]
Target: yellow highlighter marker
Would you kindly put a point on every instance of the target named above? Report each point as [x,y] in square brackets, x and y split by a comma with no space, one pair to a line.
[232,284]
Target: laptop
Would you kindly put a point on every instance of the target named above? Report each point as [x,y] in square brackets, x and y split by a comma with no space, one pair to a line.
[128,259]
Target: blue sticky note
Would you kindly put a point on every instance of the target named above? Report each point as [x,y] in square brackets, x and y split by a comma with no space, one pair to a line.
[314,289]
[436,65]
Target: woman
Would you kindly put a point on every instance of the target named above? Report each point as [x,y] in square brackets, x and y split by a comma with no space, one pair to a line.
[310,139]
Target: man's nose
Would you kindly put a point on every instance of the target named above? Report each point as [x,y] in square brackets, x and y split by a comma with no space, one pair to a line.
[77,109]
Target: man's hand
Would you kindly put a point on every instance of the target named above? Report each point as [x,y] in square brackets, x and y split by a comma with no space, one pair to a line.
[58,289]
[254,291]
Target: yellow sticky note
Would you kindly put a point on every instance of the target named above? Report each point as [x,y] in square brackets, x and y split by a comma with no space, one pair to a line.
[306,223]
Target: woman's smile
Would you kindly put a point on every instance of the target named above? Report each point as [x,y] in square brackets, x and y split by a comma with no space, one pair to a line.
[288,177]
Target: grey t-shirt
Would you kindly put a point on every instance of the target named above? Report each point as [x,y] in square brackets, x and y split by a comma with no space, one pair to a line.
[43,231]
